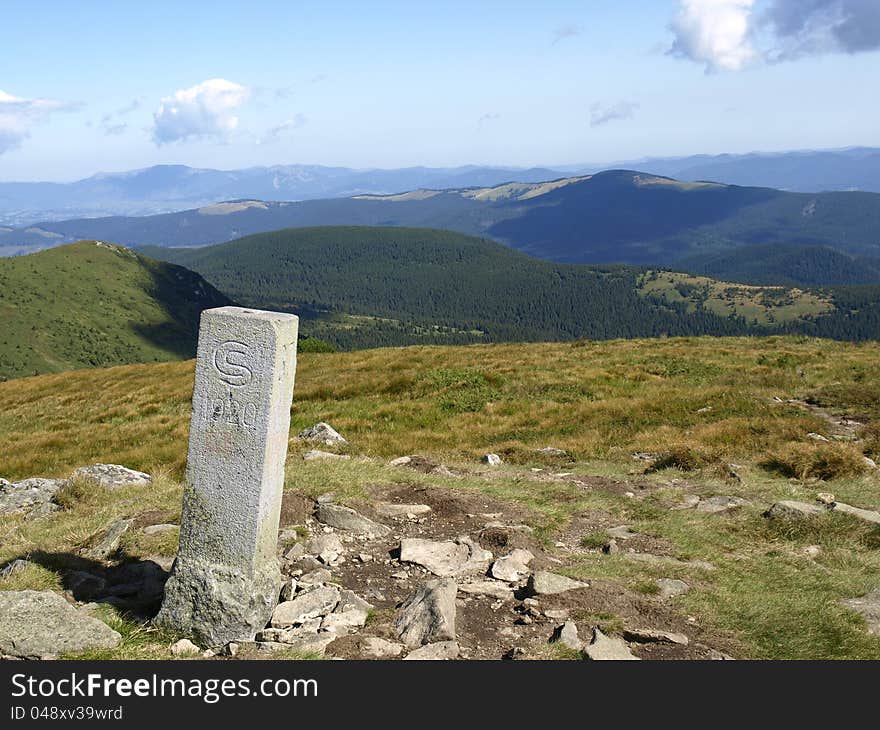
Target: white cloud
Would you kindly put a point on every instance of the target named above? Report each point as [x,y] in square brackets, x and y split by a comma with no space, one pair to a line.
[716,33]
[280,130]
[204,110]
[18,116]
[728,35]
[603,113]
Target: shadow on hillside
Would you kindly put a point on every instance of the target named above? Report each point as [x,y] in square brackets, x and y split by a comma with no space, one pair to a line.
[133,586]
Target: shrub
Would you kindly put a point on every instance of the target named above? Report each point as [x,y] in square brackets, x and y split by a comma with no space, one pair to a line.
[816,461]
[684,457]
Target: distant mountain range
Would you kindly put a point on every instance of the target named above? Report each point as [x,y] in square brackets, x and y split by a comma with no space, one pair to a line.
[613,217]
[170,188]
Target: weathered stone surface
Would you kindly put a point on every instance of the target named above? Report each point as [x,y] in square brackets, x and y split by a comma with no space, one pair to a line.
[344,518]
[714,505]
[327,547]
[446,558]
[41,624]
[435,652]
[428,615]
[314,577]
[622,532]
[225,581]
[29,494]
[552,451]
[671,587]
[350,600]
[184,647]
[288,590]
[343,621]
[544,583]
[791,510]
[567,635]
[109,543]
[491,459]
[317,455]
[655,636]
[386,509]
[316,602]
[322,433]
[491,588]
[314,644]
[373,647]
[112,476]
[866,515]
[513,567]
[160,529]
[869,607]
[606,648]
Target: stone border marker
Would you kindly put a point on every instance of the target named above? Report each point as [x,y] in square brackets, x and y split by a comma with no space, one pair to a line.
[225,580]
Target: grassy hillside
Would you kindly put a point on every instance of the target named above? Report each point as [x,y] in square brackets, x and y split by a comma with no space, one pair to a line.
[94,304]
[616,216]
[702,404]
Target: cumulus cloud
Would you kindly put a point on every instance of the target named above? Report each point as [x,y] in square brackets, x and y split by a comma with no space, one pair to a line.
[204,110]
[604,113]
[728,35]
[716,33]
[18,116]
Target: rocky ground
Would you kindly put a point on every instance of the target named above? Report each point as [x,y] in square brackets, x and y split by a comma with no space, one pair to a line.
[411,573]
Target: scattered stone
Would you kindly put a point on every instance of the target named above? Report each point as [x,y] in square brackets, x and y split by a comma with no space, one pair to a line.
[671,587]
[231,649]
[611,547]
[513,567]
[812,551]
[428,614]
[296,552]
[825,498]
[868,606]
[365,557]
[109,543]
[385,509]
[438,651]
[29,495]
[552,451]
[689,501]
[714,505]
[344,518]
[314,577]
[112,476]
[225,581]
[317,455]
[704,409]
[160,529]
[487,588]
[791,510]
[544,583]
[715,655]
[567,635]
[288,590]
[184,647]
[514,654]
[869,462]
[313,644]
[622,532]
[816,437]
[350,600]
[372,647]
[866,515]
[317,602]
[655,636]
[446,558]
[328,547]
[604,648]
[557,614]
[14,567]
[343,621]
[42,625]
[491,459]
[322,433]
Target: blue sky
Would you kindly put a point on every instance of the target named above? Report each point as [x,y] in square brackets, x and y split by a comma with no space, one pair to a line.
[96,85]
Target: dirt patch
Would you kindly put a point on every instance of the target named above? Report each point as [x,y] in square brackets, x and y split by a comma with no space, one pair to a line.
[295,509]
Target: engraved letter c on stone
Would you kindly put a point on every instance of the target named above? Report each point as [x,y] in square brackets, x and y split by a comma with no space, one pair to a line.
[230,360]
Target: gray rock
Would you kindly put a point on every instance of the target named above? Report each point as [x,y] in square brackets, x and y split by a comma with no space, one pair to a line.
[544,583]
[605,648]
[791,510]
[328,547]
[109,543]
[513,567]
[567,635]
[866,515]
[445,558]
[343,518]
[385,509]
[317,455]
[41,624]
[112,476]
[317,602]
[288,590]
[314,644]
[342,622]
[655,636]
[295,552]
[491,459]
[869,607]
[438,651]
[28,495]
[490,588]
[184,647]
[671,587]
[428,615]
[322,433]
[372,647]
[621,532]
[714,505]
[160,529]
[350,600]
[314,577]
[689,501]
[552,452]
